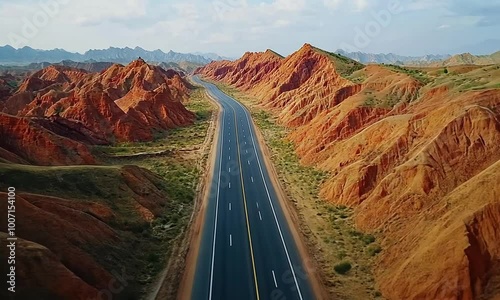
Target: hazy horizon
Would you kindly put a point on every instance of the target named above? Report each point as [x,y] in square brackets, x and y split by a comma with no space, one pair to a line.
[232,27]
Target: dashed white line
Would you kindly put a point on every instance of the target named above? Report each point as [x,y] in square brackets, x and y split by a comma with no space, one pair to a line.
[248,162]
[230,185]
[229,170]
[272,208]
[274,278]
[229,157]
[252,178]
[230,207]
[230,240]
[257,204]
[260,216]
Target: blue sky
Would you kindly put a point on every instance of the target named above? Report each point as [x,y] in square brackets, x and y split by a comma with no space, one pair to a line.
[232,27]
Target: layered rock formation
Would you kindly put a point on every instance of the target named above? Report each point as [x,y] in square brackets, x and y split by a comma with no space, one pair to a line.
[25,141]
[122,103]
[417,159]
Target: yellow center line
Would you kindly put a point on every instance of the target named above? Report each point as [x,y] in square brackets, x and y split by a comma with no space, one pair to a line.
[246,209]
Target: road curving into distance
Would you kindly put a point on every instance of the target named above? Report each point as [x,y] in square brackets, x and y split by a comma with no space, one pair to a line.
[247,250]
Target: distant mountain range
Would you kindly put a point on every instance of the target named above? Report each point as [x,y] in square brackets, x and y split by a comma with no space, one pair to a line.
[391,58]
[469,59]
[27,55]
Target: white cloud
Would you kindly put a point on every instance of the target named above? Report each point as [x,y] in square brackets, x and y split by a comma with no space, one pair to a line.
[355,5]
[333,4]
[444,26]
[94,12]
[289,5]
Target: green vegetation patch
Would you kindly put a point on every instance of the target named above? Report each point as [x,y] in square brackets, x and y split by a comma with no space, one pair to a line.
[343,267]
[344,65]
[419,75]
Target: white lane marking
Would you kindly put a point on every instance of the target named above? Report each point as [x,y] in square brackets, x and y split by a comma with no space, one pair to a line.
[260,216]
[229,170]
[246,151]
[230,185]
[248,162]
[257,204]
[272,206]
[252,178]
[230,240]
[230,207]
[275,282]
[229,157]
[216,216]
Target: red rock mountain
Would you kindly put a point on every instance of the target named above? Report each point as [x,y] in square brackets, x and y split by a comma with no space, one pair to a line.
[122,103]
[417,156]
[82,227]
[25,141]
[7,87]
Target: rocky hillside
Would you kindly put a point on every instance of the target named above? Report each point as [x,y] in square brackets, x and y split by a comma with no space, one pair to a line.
[414,152]
[122,103]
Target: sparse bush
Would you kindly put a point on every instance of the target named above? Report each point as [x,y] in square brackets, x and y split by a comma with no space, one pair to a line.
[445,71]
[343,267]
[374,250]
[368,239]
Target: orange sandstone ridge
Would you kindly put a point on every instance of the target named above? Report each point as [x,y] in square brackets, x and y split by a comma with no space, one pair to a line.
[122,103]
[419,161]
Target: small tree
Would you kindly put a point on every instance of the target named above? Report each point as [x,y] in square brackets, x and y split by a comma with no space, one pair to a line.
[445,70]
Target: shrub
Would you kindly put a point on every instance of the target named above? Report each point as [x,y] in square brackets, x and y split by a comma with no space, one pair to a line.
[374,250]
[343,267]
[368,239]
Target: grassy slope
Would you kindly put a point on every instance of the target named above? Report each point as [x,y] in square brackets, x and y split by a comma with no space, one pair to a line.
[332,238]
[344,65]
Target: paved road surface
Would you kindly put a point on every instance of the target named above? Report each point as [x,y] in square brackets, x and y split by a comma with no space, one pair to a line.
[247,250]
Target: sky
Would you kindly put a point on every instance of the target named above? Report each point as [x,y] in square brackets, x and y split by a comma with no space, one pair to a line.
[233,27]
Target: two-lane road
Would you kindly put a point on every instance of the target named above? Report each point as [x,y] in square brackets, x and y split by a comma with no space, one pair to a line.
[247,250]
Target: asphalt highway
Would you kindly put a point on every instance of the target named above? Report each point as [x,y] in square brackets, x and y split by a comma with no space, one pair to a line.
[246,250]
